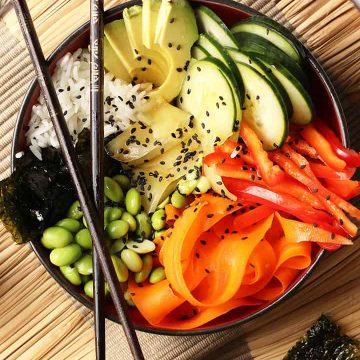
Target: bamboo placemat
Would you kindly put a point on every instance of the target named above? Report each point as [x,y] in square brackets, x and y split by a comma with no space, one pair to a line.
[38,320]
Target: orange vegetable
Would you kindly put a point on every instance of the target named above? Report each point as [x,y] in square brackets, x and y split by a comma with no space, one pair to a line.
[172,213]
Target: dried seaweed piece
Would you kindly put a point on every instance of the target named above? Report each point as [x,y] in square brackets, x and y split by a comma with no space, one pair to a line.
[323,341]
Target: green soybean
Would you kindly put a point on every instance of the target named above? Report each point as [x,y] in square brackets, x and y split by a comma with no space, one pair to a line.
[107,211]
[142,275]
[113,190]
[121,270]
[187,187]
[158,219]
[130,220]
[71,274]
[117,229]
[74,211]
[141,247]
[66,255]
[117,245]
[69,224]
[56,237]
[114,214]
[132,260]
[157,275]
[133,201]
[89,288]
[164,203]
[144,228]
[202,186]
[158,233]
[178,200]
[128,298]
[84,265]
[123,181]
[83,238]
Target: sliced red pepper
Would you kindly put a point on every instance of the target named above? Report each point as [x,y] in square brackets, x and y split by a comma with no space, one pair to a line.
[247,191]
[251,217]
[271,173]
[237,172]
[220,158]
[325,172]
[351,157]
[323,148]
[347,189]
[302,147]
[228,147]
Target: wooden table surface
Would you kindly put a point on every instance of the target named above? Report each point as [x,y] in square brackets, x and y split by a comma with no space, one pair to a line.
[39,320]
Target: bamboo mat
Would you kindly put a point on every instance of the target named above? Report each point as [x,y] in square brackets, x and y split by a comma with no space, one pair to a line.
[38,320]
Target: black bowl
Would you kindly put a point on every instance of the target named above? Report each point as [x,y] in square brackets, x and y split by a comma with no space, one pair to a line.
[327,106]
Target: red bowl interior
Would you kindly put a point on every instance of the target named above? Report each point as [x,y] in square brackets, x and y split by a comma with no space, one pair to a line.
[327,107]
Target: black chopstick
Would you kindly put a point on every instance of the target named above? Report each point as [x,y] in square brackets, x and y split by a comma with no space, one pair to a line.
[68,151]
[97,156]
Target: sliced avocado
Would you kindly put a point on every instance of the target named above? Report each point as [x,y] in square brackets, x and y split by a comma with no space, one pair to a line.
[113,63]
[150,14]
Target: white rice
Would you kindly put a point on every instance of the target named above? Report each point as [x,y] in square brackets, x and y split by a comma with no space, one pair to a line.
[72,83]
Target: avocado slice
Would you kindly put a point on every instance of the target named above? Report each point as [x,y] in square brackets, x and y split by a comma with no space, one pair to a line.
[150,14]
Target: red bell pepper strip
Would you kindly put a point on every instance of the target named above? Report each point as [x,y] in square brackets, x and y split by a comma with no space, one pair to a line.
[216,158]
[228,148]
[325,172]
[247,191]
[251,217]
[302,147]
[238,172]
[328,199]
[347,189]
[323,148]
[351,157]
[271,173]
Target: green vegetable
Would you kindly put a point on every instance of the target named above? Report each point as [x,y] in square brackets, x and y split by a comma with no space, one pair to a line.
[66,255]
[128,298]
[144,229]
[130,220]
[89,288]
[324,341]
[69,224]
[117,245]
[71,274]
[133,201]
[117,229]
[85,278]
[85,265]
[74,211]
[56,237]
[121,270]
[158,233]
[186,187]
[164,203]
[178,200]
[158,219]
[202,186]
[146,269]
[157,275]
[83,238]
[132,260]
[141,247]
[113,190]
[114,214]
[123,181]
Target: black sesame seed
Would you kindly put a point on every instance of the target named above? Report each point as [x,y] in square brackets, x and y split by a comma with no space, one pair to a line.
[61,90]
[315,190]
[172,20]
[303,166]
[178,47]
[197,255]
[333,235]
[315,225]
[169,44]
[179,69]
[198,68]
[244,237]
[248,96]
[328,198]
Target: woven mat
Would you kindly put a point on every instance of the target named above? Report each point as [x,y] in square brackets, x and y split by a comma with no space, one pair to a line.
[38,320]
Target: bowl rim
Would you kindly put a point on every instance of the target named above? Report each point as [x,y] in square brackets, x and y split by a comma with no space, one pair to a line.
[162,331]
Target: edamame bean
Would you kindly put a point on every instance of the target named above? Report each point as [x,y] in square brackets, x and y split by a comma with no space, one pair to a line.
[123,181]
[74,211]
[85,265]
[85,278]
[187,187]
[178,200]
[143,247]
[107,211]
[113,190]
[128,298]
[132,260]
[157,275]
[121,270]
[133,201]
[142,275]
[164,203]
[158,219]
[66,255]
[89,288]
[69,224]
[202,186]
[117,229]
[130,220]
[56,237]
[83,238]
[114,214]
[144,228]
[117,245]
[71,274]
[158,233]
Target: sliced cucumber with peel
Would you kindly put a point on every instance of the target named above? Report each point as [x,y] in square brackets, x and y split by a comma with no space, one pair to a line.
[198,52]
[263,109]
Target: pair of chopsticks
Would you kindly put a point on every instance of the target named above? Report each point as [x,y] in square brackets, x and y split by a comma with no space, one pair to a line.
[93,210]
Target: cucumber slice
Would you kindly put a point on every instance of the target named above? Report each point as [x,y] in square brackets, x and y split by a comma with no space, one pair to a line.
[254,44]
[239,56]
[253,26]
[303,107]
[264,110]
[218,51]
[198,52]
[211,24]
[207,94]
